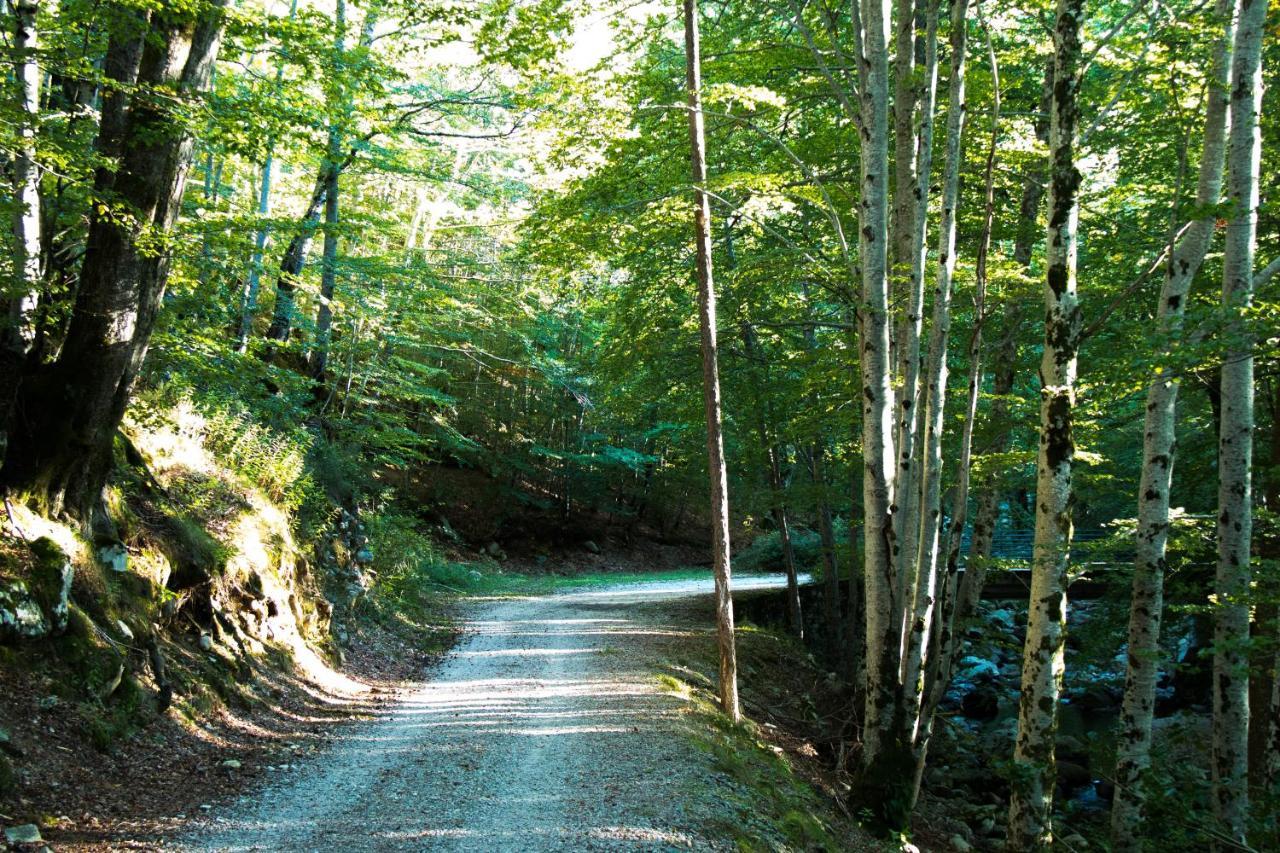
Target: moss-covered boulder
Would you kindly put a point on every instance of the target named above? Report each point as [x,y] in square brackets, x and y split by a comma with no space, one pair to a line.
[51,580]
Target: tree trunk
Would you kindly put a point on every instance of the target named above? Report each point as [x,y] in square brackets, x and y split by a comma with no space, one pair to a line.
[884,784]
[19,334]
[827,539]
[329,263]
[339,116]
[1235,441]
[64,452]
[911,207]
[1035,772]
[249,298]
[1133,749]
[943,650]
[295,255]
[710,368]
[927,534]
[826,532]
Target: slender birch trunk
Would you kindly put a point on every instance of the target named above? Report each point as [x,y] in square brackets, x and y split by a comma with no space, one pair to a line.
[883,784]
[1235,441]
[710,368]
[927,534]
[943,649]
[21,331]
[912,207]
[1035,772]
[1133,750]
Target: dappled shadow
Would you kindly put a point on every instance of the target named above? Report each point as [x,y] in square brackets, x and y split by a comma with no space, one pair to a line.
[546,729]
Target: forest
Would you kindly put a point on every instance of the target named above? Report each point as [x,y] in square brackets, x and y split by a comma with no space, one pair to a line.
[920,359]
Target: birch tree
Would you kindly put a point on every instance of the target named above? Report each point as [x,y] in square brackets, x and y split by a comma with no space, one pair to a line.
[1035,772]
[884,761]
[1235,436]
[925,541]
[1133,750]
[20,333]
[728,683]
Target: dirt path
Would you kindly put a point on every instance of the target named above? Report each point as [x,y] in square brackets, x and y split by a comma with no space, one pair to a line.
[545,729]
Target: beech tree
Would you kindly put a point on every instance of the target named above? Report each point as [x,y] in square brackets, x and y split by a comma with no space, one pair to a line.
[62,451]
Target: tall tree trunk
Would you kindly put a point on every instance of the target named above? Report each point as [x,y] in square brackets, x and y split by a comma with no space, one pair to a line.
[943,649]
[295,255]
[883,784]
[249,298]
[18,334]
[329,263]
[911,207]
[64,452]
[781,520]
[20,331]
[332,164]
[826,531]
[925,538]
[1133,750]
[827,540]
[339,116]
[1235,441]
[1035,772]
[710,368]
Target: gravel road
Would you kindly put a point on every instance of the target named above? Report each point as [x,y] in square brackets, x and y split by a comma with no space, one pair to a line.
[545,729]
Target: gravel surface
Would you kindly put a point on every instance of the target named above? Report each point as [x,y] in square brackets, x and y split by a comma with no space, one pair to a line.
[545,729]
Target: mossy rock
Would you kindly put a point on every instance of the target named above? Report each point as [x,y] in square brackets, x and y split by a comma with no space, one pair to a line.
[51,579]
[95,662]
[196,556]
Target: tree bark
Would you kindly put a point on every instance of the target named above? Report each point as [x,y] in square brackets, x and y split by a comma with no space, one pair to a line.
[72,413]
[1235,440]
[1035,772]
[249,298]
[295,256]
[1133,749]
[710,368]
[883,785]
[911,207]
[926,536]
[20,332]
